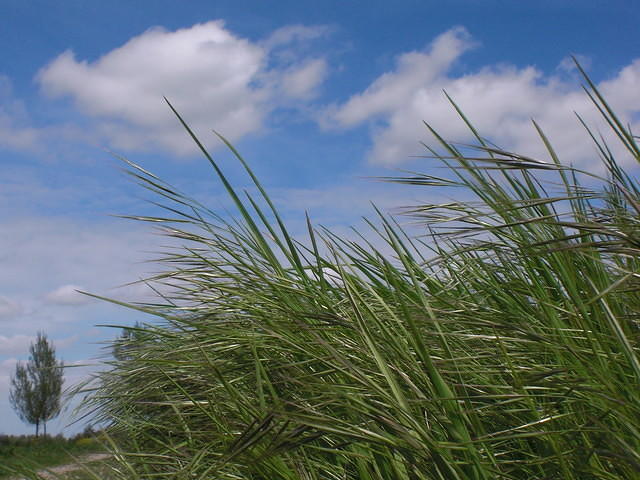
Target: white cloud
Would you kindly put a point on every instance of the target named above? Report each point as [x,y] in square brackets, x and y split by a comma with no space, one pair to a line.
[294,33]
[9,308]
[19,132]
[14,137]
[20,344]
[15,132]
[332,276]
[51,257]
[7,368]
[15,345]
[214,78]
[414,70]
[622,90]
[499,100]
[302,82]
[68,295]
[63,343]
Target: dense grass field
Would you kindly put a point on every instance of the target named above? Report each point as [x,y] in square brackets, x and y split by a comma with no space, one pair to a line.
[500,344]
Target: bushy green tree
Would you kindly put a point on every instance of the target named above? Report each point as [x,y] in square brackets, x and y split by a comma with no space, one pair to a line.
[36,387]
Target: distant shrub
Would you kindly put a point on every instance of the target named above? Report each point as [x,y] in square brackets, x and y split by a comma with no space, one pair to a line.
[85,443]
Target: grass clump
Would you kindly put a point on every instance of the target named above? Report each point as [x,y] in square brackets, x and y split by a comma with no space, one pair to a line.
[504,347]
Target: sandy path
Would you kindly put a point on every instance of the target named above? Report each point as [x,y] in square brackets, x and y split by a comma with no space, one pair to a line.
[53,472]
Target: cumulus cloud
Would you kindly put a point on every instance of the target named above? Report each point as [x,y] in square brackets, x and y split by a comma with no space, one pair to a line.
[500,100]
[214,78]
[414,70]
[68,295]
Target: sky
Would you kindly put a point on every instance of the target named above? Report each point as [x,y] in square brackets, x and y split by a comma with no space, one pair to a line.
[317,96]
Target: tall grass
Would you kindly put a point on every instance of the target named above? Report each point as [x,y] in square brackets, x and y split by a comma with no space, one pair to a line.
[504,346]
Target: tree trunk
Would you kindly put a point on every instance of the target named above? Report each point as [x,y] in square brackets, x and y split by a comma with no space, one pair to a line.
[37,428]
[45,428]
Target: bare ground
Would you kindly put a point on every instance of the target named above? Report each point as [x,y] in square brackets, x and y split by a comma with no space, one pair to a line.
[54,472]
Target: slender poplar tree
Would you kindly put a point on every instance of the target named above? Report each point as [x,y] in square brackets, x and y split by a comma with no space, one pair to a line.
[36,387]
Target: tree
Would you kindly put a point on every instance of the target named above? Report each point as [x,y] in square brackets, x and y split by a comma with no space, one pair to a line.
[129,339]
[36,387]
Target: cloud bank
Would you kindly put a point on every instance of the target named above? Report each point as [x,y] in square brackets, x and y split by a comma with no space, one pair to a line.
[499,100]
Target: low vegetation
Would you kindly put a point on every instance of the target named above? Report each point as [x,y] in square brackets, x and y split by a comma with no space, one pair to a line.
[19,454]
[502,346]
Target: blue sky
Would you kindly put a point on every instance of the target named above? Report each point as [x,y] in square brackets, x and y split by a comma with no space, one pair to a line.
[316,95]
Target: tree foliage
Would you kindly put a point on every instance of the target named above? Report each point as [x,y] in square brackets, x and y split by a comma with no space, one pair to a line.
[123,346]
[36,387]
